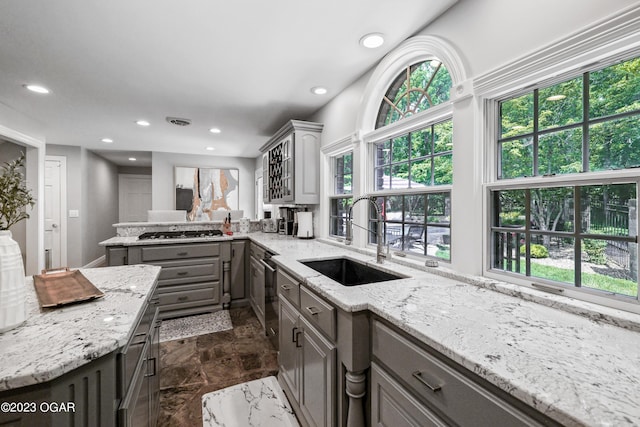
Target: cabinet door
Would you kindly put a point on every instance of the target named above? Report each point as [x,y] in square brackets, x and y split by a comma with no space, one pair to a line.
[289,355]
[237,270]
[287,169]
[265,178]
[153,370]
[257,289]
[116,256]
[392,405]
[318,372]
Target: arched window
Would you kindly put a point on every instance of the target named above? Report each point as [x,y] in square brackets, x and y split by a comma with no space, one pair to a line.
[417,88]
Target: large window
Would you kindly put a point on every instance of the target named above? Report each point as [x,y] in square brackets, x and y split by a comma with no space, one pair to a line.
[412,163]
[416,223]
[341,200]
[574,230]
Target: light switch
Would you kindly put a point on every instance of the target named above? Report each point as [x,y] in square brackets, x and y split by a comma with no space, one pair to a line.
[74,213]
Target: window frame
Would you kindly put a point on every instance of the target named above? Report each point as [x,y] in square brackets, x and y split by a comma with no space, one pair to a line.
[587,178]
[333,195]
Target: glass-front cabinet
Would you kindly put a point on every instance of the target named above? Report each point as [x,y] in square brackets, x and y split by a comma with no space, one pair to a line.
[290,164]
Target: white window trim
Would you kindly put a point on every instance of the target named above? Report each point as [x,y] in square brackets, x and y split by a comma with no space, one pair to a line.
[327,153]
[610,40]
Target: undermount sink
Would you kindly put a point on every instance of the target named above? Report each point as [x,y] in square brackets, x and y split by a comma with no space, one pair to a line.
[349,272]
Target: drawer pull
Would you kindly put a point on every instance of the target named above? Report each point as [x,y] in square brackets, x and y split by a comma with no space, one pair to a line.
[182,253]
[313,310]
[183,298]
[183,273]
[285,288]
[418,375]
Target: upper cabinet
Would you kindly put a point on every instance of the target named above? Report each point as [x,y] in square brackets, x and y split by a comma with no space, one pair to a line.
[290,164]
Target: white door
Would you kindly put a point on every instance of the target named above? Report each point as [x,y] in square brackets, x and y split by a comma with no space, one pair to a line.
[134,197]
[54,219]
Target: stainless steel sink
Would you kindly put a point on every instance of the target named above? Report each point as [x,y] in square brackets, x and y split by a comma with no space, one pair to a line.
[349,272]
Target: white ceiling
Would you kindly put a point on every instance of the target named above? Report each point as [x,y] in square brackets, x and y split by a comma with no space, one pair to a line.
[244,66]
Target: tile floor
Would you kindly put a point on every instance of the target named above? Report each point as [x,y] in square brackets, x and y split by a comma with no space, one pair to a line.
[194,366]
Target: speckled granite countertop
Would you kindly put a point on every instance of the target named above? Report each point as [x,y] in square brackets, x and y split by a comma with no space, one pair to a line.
[55,341]
[574,361]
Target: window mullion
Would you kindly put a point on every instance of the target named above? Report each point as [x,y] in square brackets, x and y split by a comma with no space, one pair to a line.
[535,134]
[585,122]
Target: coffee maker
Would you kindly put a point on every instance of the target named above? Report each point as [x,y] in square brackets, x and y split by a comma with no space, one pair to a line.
[287,220]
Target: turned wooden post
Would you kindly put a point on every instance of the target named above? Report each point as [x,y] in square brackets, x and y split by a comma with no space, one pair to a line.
[356,390]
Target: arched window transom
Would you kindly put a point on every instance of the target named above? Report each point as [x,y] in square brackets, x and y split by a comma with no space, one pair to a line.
[417,88]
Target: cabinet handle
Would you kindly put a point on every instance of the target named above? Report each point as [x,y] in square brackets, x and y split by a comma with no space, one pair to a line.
[293,334]
[183,298]
[183,253]
[418,375]
[183,273]
[285,288]
[154,368]
[297,340]
[313,310]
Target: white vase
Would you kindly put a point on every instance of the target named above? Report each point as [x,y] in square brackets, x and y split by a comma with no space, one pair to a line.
[12,284]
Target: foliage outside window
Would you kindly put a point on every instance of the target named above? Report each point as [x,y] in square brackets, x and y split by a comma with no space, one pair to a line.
[584,236]
[589,123]
[340,203]
[416,159]
[416,223]
[417,88]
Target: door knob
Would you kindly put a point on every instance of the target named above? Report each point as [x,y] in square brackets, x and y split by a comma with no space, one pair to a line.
[54,225]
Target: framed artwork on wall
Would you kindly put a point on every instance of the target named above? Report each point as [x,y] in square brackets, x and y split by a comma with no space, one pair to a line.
[203,191]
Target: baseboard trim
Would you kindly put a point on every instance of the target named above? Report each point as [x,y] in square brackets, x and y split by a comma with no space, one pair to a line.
[98,262]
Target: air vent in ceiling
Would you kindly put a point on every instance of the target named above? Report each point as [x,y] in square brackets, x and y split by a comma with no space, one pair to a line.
[178,121]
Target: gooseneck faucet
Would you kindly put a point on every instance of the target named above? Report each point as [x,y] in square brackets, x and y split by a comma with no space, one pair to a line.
[380,256]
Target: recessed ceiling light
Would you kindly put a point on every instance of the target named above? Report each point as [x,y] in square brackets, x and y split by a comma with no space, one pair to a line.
[556,97]
[215,130]
[107,140]
[37,89]
[210,148]
[319,90]
[143,123]
[132,159]
[372,40]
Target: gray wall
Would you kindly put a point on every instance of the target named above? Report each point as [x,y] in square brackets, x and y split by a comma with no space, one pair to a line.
[163,187]
[92,189]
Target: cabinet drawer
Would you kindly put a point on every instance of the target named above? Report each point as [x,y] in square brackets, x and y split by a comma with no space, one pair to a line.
[441,386]
[288,287]
[179,295]
[172,252]
[391,405]
[257,252]
[210,270]
[320,314]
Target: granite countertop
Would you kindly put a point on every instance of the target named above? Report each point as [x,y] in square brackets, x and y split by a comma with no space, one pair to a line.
[579,369]
[55,341]
[577,362]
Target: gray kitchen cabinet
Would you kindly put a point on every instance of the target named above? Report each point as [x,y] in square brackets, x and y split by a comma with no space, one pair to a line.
[290,164]
[307,364]
[238,270]
[195,277]
[392,405]
[257,282]
[414,383]
[119,389]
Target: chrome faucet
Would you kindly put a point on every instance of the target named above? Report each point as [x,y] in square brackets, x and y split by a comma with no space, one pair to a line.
[380,255]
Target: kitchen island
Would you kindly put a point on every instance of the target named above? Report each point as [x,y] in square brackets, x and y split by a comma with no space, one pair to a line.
[41,360]
[575,362]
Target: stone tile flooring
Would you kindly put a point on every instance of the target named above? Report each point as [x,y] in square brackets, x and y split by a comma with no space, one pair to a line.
[194,366]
